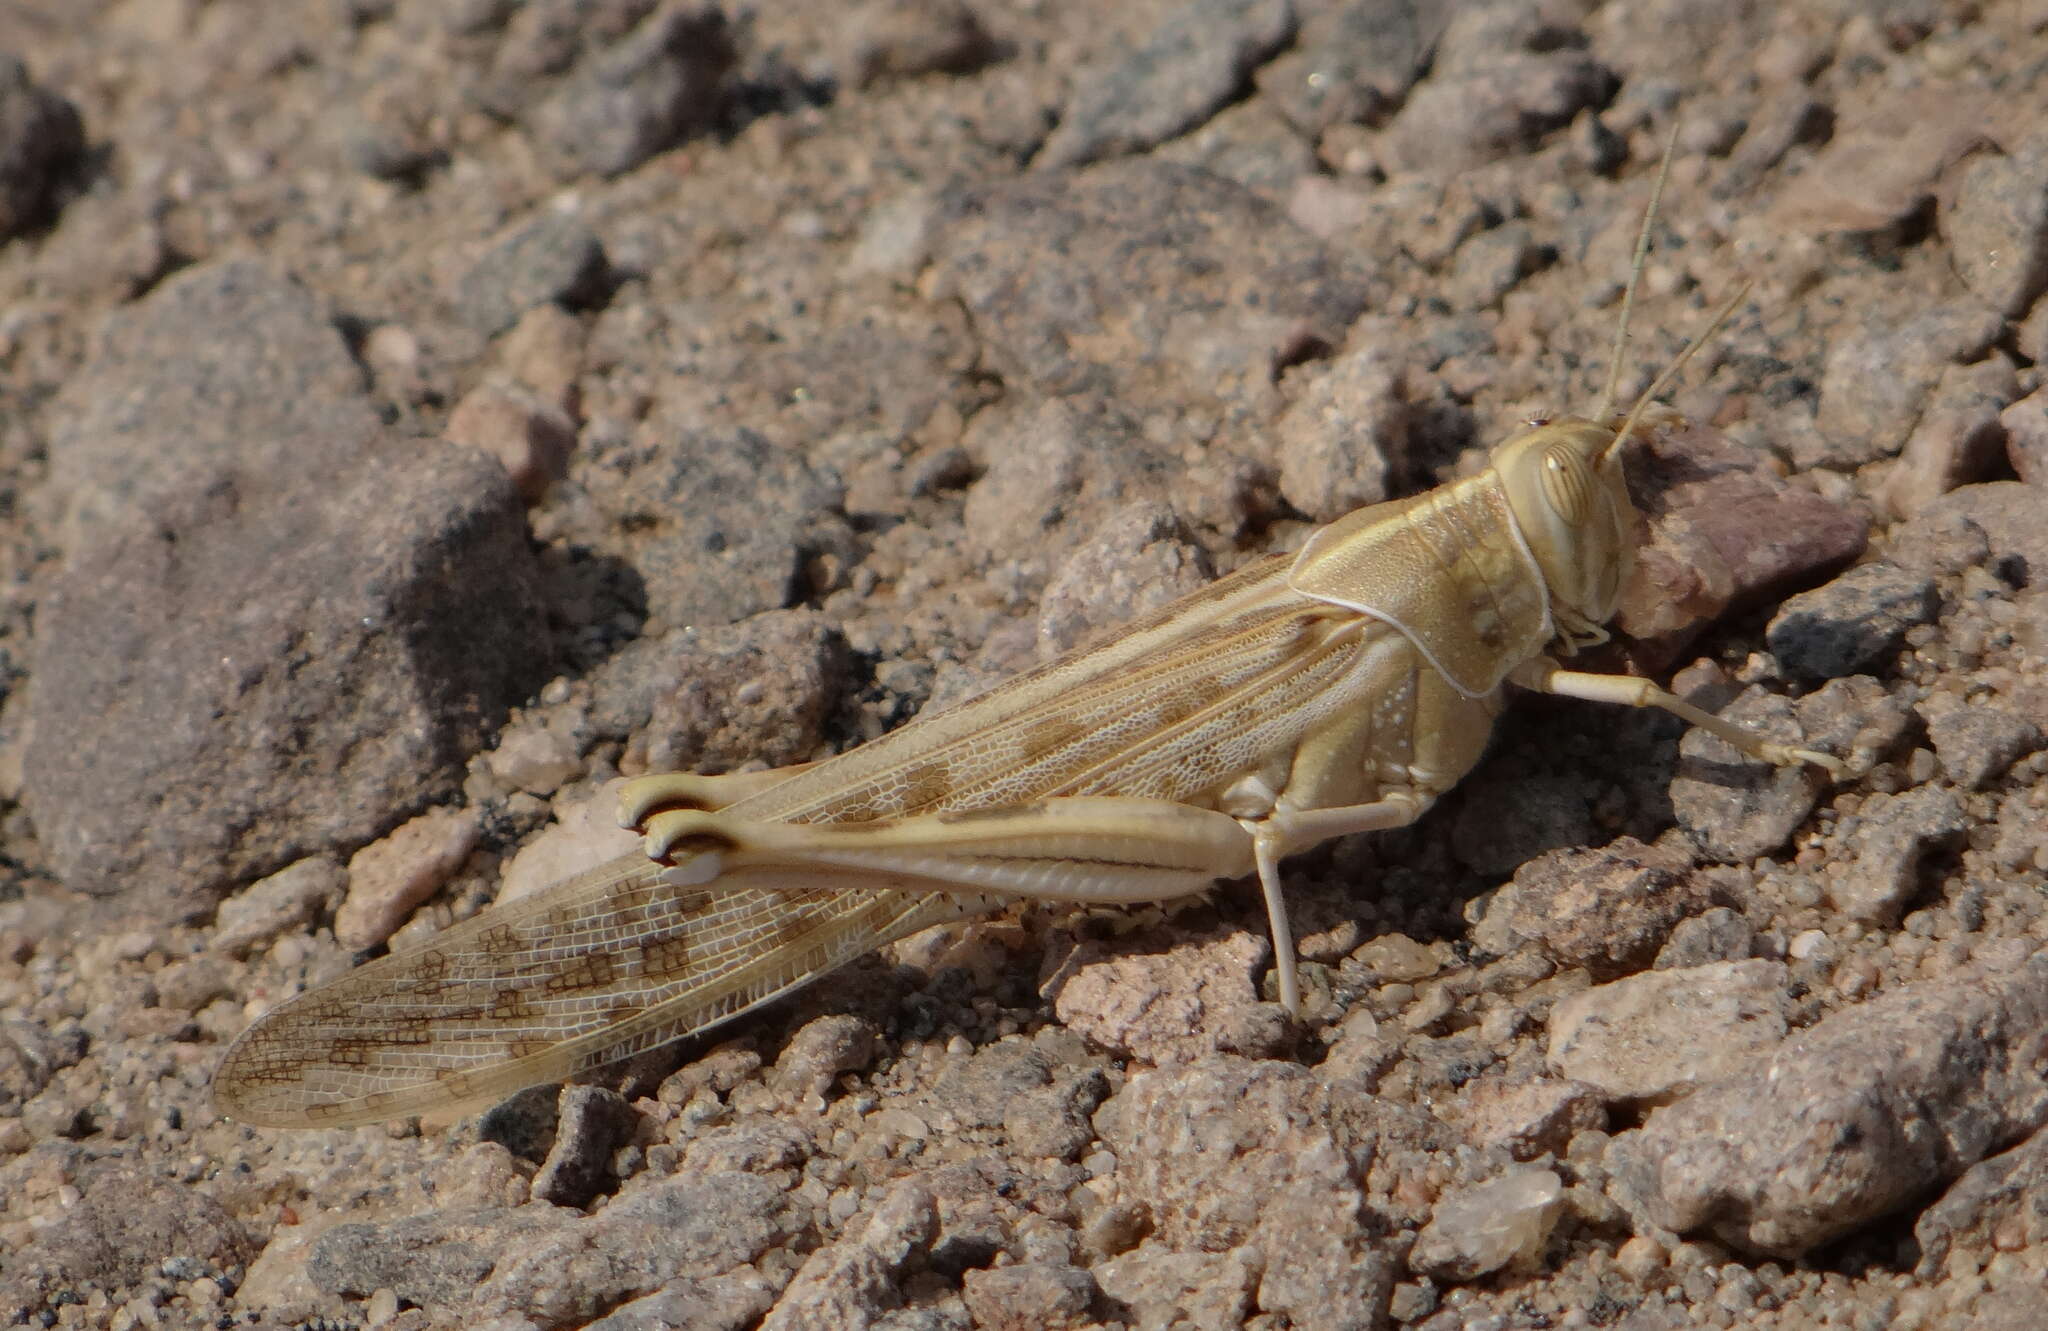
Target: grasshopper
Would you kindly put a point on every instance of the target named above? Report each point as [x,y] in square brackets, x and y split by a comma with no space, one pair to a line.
[1312,695]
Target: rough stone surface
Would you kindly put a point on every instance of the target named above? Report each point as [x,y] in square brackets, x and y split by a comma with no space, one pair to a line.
[1530,1118]
[1653,1038]
[393,874]
[1856,718]
[1886,845]
[2000,1203]
[430,1260]
[1849,1120]
[1959,438]
[1995,222]
[703,1226]
[1278,1165]
[1051,1295]
[1724,533]
[656,86]
[1054,475]
[584,834]
[687,1303]
[311,643]
[1196,996]
[1976,743]
[123,1225]
[881,40]
[1053,1121]
[272,906]
[594,1122]
[2026,436]
[1471,116]
[29,1057]
[1351,63]
[1159,1284]
[1138,561]
[1346,433]
[1733,806]
[981,1092]
[41,138]
[1607,910]
[2011,516]
[856,1281]
[529,438]
[1189,66]
[553,257]
[717,691]
[270,391]
[1853,624]
[758,1145]
[1878,380]
[721,524]
[1719,934]
[1480,1229]
[1112,280]
[1884,169]
[825,1048]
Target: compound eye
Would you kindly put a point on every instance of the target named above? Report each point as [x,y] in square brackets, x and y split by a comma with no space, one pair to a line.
[1568,485]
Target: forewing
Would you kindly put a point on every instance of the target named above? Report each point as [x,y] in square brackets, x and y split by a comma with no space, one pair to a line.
[594,969]
[1112,709]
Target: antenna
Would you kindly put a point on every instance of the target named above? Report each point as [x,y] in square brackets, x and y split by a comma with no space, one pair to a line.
[1663,380]
[1635,274]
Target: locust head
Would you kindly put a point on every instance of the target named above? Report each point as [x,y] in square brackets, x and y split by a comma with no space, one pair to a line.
[1563,481]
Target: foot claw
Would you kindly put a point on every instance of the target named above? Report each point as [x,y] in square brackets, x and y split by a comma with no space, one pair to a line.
[1786,755]
[1827,762]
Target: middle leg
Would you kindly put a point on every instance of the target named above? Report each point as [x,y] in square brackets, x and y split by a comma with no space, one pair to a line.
[1285,831]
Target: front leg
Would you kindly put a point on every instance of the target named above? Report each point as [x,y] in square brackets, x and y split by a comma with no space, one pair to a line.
[1546,676]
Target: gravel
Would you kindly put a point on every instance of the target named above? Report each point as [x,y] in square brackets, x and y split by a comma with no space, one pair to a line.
[414,418]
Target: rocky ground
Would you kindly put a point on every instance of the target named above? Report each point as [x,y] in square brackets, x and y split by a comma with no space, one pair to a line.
[415,415]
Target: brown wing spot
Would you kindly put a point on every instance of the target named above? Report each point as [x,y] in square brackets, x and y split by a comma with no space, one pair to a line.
[790,929]
[1049,736]
[352,1051]
[878,914]
[635,895]
[499,940]
[687,904]
[666,955]
[926,784]
[796,928]
[528,1048]
[511,1005]
[429,975]
[1202,691]
[591,970]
